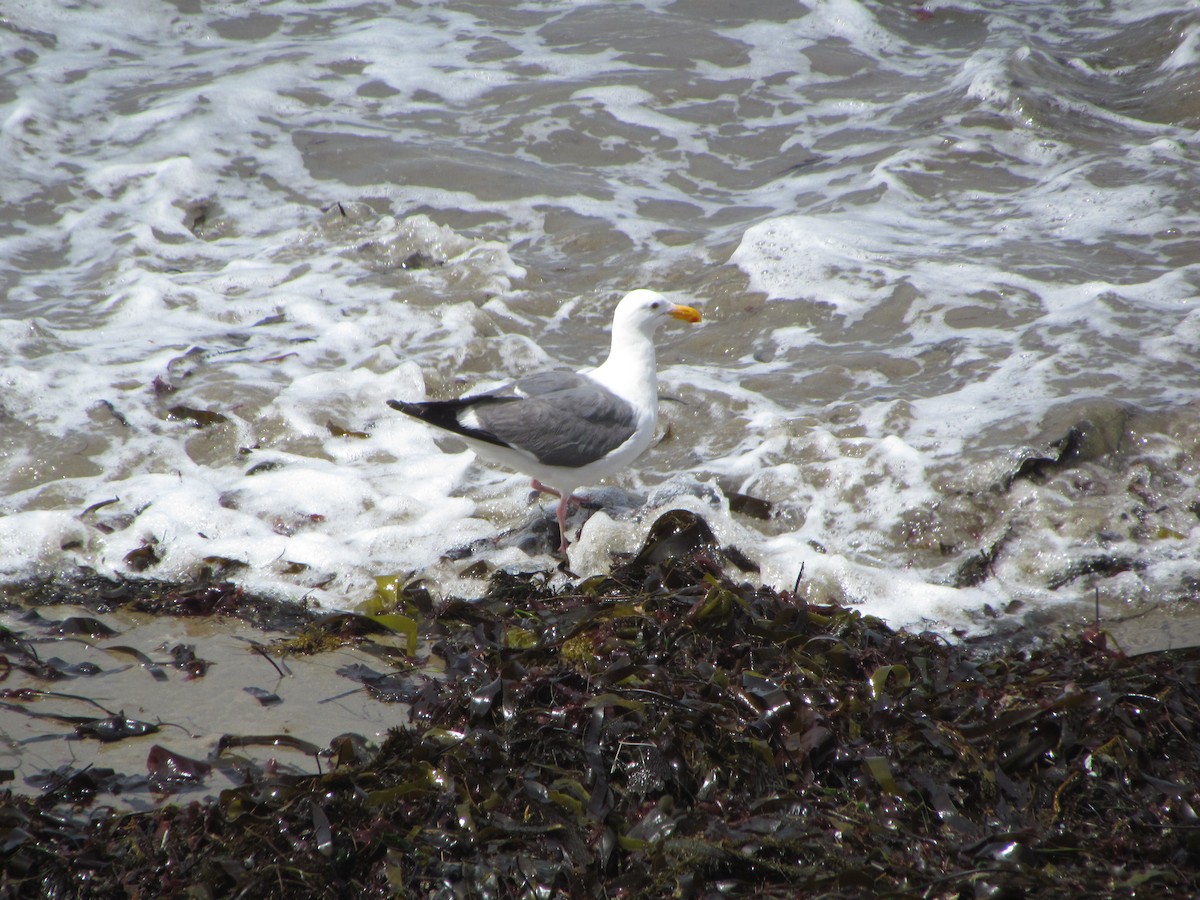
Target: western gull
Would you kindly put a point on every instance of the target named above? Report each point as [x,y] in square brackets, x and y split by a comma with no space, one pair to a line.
[569,429]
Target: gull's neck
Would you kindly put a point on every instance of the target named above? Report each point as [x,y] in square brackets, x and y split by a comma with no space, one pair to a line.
[631,369]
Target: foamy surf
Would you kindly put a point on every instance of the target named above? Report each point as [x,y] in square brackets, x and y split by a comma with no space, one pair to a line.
[946,257]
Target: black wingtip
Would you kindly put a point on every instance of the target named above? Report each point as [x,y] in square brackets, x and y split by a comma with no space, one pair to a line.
[428,412]
[444,414]
[438,413]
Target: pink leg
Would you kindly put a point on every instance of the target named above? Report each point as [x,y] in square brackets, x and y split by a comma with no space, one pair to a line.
[538,486]
[562,521]
[564,504]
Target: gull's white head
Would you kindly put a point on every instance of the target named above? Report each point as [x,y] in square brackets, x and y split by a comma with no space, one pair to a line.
[645,311]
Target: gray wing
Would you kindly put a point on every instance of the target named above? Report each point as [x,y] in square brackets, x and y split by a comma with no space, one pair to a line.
[561,418]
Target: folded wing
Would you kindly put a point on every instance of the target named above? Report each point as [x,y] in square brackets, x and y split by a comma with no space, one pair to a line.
[557,418]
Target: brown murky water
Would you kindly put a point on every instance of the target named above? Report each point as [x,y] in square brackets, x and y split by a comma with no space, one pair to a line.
[947,257]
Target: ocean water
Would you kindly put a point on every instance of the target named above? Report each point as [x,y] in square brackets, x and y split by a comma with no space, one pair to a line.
[948,256]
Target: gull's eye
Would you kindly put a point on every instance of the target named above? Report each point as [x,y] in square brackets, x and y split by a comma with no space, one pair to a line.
[657,304]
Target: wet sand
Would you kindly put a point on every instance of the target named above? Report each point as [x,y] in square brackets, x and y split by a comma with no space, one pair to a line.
[196,706]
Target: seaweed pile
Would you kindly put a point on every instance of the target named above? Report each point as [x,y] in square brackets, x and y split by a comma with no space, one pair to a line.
[666,730]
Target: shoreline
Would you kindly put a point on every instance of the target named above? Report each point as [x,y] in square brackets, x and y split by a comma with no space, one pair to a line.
[663,729]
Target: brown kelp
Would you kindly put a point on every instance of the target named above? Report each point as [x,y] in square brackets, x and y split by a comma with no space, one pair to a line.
[669,730]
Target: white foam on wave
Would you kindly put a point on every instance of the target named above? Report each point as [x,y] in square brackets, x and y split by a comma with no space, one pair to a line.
[187,241]
[300,524]
[793,258]
[1033,237]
